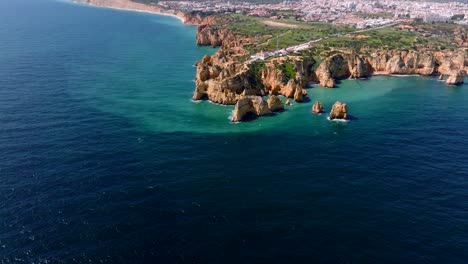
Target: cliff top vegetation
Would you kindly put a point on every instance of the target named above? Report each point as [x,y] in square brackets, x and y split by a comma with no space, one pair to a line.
[287,32]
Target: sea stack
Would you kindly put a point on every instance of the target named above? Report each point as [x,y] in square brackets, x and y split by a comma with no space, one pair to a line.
[339,111]
[299,94]
[317,108]
[275,104]
[249,106]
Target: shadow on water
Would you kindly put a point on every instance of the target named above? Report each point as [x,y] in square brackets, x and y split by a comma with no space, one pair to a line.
[250,116]
[306,100]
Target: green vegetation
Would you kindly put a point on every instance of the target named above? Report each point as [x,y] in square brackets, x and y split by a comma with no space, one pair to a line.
[379,38]
[374,15]
[256,68]
[392,38]
[266,37]
[266,34]
[288,70]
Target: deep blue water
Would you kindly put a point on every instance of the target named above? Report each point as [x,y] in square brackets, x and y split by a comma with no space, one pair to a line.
[104,158]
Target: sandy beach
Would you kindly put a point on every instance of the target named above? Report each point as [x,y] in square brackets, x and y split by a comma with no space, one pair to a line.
[128,5]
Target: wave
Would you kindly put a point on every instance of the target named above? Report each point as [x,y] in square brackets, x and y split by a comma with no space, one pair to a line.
[338,120]
[405,75]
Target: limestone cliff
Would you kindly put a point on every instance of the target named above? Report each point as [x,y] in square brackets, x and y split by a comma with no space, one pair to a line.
[457,77]
[404,62]
[461,36]
[208,35]
[339,111]
[249,107]
[342,65]
[223,78]
[198,18]
[275,79]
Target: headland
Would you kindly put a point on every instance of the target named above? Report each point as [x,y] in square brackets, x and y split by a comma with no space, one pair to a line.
[264,58]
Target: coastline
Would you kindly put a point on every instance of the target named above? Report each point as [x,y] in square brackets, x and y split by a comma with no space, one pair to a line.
[127,5]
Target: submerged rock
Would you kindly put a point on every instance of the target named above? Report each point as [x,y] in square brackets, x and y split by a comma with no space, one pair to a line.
[339,111]
[275,104]
[249,106]
[317,107]
[455,78]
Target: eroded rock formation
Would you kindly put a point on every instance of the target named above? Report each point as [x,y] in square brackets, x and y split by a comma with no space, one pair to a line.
[317,107]
[339,111]
[225,79]
[208,35]
[249,107]
[275,79]
[341,66]
[457,77]
[404,62]
[275,104]
[222,79]
[198,18]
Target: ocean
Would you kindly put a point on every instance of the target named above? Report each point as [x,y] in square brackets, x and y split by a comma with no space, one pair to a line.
[105,158]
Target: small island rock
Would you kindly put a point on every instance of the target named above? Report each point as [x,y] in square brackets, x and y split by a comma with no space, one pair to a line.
[317,107]
[275,104]
[339,111]
[249,105]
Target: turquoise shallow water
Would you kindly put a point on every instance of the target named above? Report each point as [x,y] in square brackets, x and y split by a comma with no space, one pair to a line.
[105,159]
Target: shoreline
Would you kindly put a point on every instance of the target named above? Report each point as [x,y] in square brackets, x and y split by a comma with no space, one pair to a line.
[127,5]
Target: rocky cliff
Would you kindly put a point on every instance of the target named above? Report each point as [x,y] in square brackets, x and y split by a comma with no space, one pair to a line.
[199,18]
[404,62]
[343,65]
[339,111]
[223,79]
[208,35]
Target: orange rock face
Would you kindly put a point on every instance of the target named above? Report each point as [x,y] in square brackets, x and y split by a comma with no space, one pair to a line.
[339,111]
[317,107]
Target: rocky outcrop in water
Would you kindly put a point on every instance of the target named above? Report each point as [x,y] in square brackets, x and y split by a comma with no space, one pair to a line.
[317,108]
[275,104]
[457,77]
[339,111]
[249,107]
